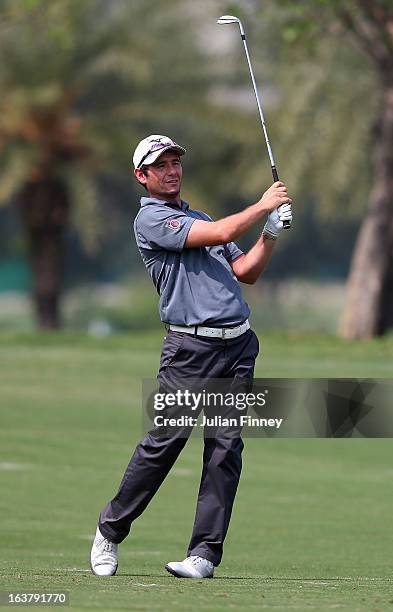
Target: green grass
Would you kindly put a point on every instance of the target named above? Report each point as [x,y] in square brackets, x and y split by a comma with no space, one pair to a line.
[311,528]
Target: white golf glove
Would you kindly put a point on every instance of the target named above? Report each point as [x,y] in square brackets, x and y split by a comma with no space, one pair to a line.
[274,224]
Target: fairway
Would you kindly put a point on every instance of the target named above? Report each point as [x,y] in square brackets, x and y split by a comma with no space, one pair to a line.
[311,528]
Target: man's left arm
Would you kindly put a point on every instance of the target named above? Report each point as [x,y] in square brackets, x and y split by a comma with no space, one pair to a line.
[248,267]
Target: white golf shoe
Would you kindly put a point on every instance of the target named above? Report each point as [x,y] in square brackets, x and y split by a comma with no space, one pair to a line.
[192,567]
[103,556]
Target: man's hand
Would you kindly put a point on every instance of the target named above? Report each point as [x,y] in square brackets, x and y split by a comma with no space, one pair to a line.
[274,223]
[272,198]
[209,233]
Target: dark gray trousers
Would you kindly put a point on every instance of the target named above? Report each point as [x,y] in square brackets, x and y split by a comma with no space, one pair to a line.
[186,356]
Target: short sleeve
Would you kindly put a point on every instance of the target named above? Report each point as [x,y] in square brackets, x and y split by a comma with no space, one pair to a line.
[158,227]
[232,251]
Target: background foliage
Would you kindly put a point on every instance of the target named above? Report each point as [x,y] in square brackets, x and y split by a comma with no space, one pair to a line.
[111,72]
[126,81]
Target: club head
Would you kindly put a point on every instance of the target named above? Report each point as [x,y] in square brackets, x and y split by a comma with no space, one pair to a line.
[227,19]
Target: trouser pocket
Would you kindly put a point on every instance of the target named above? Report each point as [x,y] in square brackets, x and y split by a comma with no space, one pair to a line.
[173,342]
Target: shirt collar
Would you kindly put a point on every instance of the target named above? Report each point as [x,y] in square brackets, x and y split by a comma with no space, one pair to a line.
[145,201]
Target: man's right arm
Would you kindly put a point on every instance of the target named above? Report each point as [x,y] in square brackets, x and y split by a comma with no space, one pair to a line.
[206,233]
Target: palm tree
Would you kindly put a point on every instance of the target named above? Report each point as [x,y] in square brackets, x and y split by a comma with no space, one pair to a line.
[79,83]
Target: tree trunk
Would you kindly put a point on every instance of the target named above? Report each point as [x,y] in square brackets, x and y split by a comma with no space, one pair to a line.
[44,208]
[386,315]
[368,310]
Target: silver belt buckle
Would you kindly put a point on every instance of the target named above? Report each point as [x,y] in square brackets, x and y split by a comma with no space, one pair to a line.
[223,333]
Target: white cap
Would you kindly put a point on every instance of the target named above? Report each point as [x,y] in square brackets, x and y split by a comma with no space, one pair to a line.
[150,148]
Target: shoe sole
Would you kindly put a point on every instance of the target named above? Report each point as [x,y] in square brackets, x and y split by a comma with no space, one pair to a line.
[93,572]
[171,571]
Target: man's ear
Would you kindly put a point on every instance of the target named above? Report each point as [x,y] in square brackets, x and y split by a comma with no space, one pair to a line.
[141,175]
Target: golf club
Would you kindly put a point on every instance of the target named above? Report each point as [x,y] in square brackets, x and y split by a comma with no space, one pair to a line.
[224,20]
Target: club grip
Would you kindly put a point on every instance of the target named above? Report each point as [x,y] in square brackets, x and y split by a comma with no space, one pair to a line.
[285,224]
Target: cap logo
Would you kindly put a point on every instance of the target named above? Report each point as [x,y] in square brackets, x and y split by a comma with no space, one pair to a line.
[160,143]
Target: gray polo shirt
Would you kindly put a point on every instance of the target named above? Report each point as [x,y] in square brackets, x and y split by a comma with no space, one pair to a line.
[196,285]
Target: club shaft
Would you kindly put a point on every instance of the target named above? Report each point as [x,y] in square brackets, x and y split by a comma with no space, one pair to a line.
[286,224]
[269,148]
[225,19]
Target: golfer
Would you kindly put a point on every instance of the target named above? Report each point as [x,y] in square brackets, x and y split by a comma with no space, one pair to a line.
[196,268]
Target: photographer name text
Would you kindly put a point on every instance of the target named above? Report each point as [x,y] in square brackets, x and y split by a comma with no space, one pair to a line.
[216,421]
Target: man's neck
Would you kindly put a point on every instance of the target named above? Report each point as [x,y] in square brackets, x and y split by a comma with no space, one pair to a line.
[172,199]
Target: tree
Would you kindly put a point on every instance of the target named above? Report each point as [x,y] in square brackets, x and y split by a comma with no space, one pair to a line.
[49,68]
[327,26]
[79,83]
[369,309]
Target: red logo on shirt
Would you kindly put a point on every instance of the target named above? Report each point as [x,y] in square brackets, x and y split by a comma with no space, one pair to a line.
[172,223]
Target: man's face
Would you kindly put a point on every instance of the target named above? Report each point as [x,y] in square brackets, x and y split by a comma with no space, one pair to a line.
[163,178]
